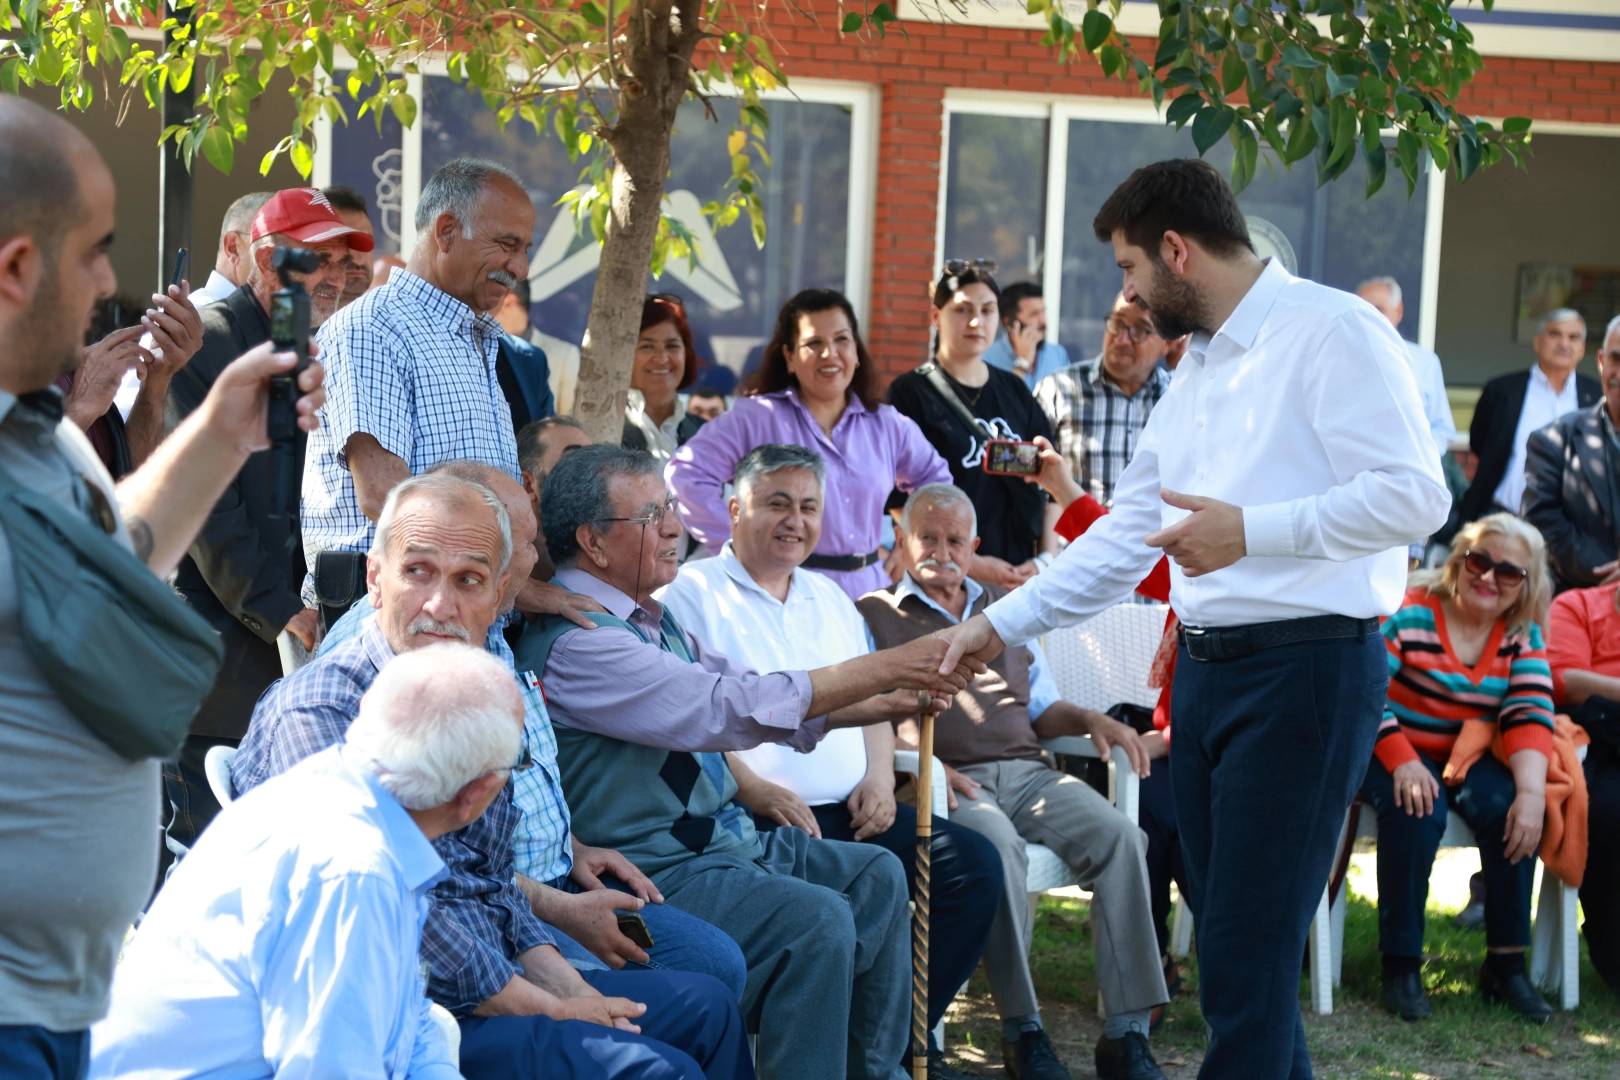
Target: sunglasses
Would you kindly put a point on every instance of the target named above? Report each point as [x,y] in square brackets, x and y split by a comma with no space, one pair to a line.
[1506,573]
[668,298]
[959,266]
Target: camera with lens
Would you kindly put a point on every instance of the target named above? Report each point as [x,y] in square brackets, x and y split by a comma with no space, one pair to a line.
[289,330]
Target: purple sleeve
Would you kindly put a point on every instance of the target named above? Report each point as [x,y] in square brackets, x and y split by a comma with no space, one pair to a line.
[916,462]
[700,470]
[612,683]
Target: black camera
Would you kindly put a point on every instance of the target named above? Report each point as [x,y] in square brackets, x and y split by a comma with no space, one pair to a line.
[289,329]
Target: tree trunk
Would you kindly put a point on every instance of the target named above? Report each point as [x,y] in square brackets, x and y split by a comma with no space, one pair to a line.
[656,62]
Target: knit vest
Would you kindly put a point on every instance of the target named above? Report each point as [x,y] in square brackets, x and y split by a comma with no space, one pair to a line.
[989,721]
[658,807]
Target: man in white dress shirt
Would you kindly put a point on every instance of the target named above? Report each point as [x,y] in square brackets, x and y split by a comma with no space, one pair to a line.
[287,942]
[1284,473]
[754,603]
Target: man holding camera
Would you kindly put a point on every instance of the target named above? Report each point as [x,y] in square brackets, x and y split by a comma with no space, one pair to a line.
[244,570]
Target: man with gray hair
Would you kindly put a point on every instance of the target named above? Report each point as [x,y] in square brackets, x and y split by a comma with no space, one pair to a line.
[755,603]
[1002,787]
[438,573]
[1512,406]
[641,700]
[412,370]
[288,939]
[1570,493]
[1384,293]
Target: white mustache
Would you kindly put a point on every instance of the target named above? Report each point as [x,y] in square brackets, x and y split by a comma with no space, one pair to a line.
[502,277]
[948,564]
[427,625]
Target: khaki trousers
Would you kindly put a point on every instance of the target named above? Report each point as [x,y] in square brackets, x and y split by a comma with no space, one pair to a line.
[1023,802]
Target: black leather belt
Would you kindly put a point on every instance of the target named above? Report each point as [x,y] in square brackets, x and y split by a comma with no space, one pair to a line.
[1235,642]
[841,562]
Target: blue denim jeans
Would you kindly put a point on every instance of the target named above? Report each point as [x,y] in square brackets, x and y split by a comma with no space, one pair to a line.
[1406,848]
[681,942]
[30,1052]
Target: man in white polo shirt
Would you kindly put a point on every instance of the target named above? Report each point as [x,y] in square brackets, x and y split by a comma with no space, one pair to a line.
[753,603]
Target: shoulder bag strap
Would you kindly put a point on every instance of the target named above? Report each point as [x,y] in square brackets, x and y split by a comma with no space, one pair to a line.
[942,387]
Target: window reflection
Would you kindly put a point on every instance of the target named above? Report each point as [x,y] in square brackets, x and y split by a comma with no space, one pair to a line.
[995,199]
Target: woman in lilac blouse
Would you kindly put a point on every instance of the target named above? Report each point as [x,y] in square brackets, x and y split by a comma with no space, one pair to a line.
[816,386]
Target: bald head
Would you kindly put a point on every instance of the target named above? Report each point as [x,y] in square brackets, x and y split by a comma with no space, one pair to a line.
[519,509]
[40,158]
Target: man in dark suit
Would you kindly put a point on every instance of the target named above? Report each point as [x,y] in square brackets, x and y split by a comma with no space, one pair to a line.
[245,568]
[1512,406]
[1572,482]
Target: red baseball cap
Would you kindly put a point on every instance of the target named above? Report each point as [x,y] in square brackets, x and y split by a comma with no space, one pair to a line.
[305,215]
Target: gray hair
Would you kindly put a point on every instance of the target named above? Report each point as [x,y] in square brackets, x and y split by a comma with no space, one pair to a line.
[446,486]
[531,442]
[1563,314]
[1387,282]
[1609,332]
[455,188]
[940,497]
[240,214]
[432,724]
[773,458]
[577,493]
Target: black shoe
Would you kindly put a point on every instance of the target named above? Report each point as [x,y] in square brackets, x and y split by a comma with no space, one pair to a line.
[1471,917]
[1404,996]
[1516,993]
[1032,1057]
[1126,1058]
[939,1070]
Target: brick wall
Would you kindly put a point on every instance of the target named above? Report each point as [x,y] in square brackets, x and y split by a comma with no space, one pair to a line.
[914,68]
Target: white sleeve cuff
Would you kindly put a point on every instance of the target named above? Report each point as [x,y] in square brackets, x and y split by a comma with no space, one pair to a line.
[1014,617]
[1269,530]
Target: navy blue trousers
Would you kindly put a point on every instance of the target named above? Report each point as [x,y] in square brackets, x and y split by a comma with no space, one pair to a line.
[30,1052]
[691,1030]
[1270,749]
[1406,848]
[1157,814]
[965,891]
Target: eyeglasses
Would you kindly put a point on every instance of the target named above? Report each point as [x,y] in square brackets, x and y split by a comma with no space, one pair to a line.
[1506,573]
[959,266]
[525,757]
[653,517]
[1135,333]
[668,298]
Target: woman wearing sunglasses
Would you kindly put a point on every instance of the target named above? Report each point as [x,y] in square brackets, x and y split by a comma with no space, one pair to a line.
[1464,646]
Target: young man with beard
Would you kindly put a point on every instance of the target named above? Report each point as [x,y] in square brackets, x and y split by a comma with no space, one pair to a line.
[1284,474]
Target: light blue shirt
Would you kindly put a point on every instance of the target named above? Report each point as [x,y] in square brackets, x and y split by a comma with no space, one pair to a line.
[286,943]
[1043,692]
[1431,382]
[543,848]
[1049,357]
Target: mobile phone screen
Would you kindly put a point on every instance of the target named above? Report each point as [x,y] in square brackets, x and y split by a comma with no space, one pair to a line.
[282,317]
[1005,456]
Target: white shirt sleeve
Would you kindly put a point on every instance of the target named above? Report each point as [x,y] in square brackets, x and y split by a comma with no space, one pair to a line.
[1373,428]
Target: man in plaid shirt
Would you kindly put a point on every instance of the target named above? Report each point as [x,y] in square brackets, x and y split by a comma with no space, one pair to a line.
[1100,406]
[444,553]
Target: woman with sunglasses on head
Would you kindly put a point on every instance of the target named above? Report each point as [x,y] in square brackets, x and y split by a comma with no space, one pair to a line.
[655,417]
[1464,649]
[957,386]
[816,386]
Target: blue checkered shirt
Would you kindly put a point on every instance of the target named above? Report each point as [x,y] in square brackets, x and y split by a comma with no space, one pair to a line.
[414,368]
[480,920]
[544,848]
[1098,428]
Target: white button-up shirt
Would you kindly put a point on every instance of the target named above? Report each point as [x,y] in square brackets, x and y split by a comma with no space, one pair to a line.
[1431,382]
[1542,405]
[1301,410]
[718,602]
[286,944]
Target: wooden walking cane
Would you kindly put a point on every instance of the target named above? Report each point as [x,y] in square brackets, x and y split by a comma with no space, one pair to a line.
[919,912]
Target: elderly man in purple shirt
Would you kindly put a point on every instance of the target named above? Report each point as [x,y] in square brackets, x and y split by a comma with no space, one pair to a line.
[643,714]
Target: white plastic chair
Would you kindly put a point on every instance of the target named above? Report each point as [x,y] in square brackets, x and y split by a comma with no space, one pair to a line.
[217,767]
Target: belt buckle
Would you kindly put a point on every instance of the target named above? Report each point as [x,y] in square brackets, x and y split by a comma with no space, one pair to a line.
[1202,644]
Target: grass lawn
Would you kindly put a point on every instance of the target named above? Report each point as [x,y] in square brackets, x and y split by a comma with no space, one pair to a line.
[1465,1038]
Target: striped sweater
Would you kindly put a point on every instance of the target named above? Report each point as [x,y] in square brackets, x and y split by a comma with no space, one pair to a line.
[1431,692]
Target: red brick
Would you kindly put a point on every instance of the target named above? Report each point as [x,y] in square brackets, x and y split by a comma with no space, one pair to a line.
[1590,115]
[1522,63]
[1572,67]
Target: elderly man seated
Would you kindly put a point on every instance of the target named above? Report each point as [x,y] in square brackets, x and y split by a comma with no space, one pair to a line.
[286,943]
[645,712]
[1003,787]
[753,602]
[564,879]
[438,571]
[1583,650]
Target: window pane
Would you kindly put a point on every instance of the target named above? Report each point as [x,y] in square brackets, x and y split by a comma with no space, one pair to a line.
[736,289]
[1331,234]
[995,198]
[369,162]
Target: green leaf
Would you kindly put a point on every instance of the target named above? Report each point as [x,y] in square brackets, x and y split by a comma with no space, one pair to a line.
[1379,52]
[1182,109]
[8,75]
[1516,125]
[1340,85]
[852,23]
[592,14]
[1233,71]
[1375,157]
[1240,15]
[1331,7]
[1296,57]
[217,148]
[1210,125]
[1344,135]
[1467,155]
[1169,48]
[1095,28]
[1112,59]
[302,159]
[1409,148]
[1288,107]
[404,108]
